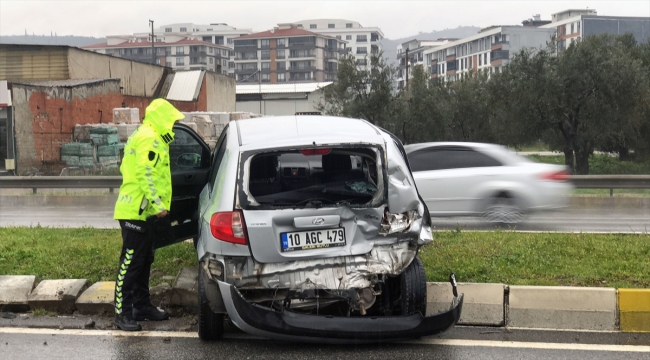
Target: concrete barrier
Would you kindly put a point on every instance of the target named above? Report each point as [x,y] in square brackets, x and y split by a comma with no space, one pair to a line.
[482,304]
[57,295]
[99,298]
[559,307]
[634,310]
[14,292]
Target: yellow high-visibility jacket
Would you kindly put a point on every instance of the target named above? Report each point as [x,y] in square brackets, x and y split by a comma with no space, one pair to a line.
[146,177]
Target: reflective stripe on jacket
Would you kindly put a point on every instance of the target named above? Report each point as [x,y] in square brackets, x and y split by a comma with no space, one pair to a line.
[146,176]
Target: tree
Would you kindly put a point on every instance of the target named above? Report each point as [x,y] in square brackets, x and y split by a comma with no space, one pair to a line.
[359,92]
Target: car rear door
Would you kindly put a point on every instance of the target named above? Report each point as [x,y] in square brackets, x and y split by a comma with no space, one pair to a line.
[189,158]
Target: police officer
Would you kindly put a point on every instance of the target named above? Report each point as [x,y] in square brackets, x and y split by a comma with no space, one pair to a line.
[145,192]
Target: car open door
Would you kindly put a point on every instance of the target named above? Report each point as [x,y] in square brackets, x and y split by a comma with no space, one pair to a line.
[189,160]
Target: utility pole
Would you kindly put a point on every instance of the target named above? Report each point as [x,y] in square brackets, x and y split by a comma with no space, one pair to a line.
[153,40]
[407,68]
[259,82]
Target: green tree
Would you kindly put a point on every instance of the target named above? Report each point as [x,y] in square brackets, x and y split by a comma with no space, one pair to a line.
[360,92]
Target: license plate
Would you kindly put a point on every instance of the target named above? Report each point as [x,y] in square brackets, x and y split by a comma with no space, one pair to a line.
[312,239]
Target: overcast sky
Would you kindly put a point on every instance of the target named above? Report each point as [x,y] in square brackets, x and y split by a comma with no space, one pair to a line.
[396,19]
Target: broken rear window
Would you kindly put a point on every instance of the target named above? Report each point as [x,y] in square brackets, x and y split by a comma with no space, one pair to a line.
[315,178]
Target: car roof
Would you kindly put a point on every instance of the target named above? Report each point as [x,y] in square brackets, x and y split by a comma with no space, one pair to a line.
[414,147]
[281,131]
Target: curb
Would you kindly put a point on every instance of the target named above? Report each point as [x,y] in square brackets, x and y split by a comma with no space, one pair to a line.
[634,308]
[485,304]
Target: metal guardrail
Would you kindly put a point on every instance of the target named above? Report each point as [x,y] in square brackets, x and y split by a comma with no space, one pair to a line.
[113,182]
[60,182]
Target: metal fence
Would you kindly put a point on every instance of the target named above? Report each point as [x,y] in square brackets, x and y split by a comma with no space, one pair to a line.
[610,182]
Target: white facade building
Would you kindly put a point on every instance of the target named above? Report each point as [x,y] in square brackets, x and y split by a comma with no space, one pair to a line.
[415,50]
[361,41]
[218,34]
[489,50]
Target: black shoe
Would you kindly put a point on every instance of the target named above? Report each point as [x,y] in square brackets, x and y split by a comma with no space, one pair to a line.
[150,313]
[127,324]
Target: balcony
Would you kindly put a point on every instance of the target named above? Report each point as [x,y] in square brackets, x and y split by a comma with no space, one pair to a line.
[302,68]
[499,55]
[301,79]
[362,40]
[451,65]
[198,53]
[298,56]
[246,58]
[245,71]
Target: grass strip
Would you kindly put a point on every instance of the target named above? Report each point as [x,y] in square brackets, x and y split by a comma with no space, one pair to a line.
[602,260]
[86,253]
[605,260]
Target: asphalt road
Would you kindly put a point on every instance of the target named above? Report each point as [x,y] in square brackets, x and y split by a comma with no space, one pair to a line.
[460,343]
[569,220]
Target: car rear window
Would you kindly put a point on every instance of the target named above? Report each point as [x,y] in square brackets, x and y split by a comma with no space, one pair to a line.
[342,177]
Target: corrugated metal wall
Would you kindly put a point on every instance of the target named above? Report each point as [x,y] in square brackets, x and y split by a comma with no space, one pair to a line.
[282,107]
[33,62]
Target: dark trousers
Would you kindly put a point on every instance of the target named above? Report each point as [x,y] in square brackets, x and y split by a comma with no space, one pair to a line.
[132,284]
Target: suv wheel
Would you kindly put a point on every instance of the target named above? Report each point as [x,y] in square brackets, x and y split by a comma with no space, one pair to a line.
[413,289]
[210,323]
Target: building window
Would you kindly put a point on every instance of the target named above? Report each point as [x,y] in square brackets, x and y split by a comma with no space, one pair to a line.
[225,63]
[224,52]
[578,26]
[338,37]
[362,50]
[485,58]
[280,54]
[361,62]
[210,49]
[480,58]
[229,41]
[180,61]
[281,77]
[281,43]
[571,28]
[362,38]
[168,29]
[211,60]
[231,64]
[180,50]
[266,77]
[266,55]
[265,43]
[330,26]
[348,37]
[348,25]
[183,29]
[210,29]
[266,66]
[207,39]
[312,26]
[282,65]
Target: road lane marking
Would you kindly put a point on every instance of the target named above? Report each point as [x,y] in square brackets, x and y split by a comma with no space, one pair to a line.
[531,345]
[425,341]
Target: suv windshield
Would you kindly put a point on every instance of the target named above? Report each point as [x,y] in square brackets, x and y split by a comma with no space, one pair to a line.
[340,176]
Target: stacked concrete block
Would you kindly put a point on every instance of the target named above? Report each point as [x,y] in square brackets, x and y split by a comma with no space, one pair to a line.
[105,135]
[78,154]
[204,126]
[239,116]
[125,130]
[126,115]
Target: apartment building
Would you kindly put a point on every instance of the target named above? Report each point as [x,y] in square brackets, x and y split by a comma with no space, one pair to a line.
[177,52]
[574,24]
[489,50]
[413,52]
[216,33]
[287,53]
[361,41]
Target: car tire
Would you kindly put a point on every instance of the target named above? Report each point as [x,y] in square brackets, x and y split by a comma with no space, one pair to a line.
[503,209]
[210,323]
[413,289]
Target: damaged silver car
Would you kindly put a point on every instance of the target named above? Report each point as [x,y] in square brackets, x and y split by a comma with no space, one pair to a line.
[306,228]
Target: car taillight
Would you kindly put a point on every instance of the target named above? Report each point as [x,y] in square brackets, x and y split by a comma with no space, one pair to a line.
[556,176]
[229,227]
[317,151]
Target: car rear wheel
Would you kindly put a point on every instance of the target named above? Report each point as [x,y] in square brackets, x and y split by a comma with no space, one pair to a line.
[210,323]
[413,289]
[503,209]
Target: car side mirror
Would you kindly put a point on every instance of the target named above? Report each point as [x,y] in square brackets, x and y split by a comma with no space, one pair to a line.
[189,160]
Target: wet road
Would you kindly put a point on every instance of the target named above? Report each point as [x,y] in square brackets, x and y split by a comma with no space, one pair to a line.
[460,343]
[569,220]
